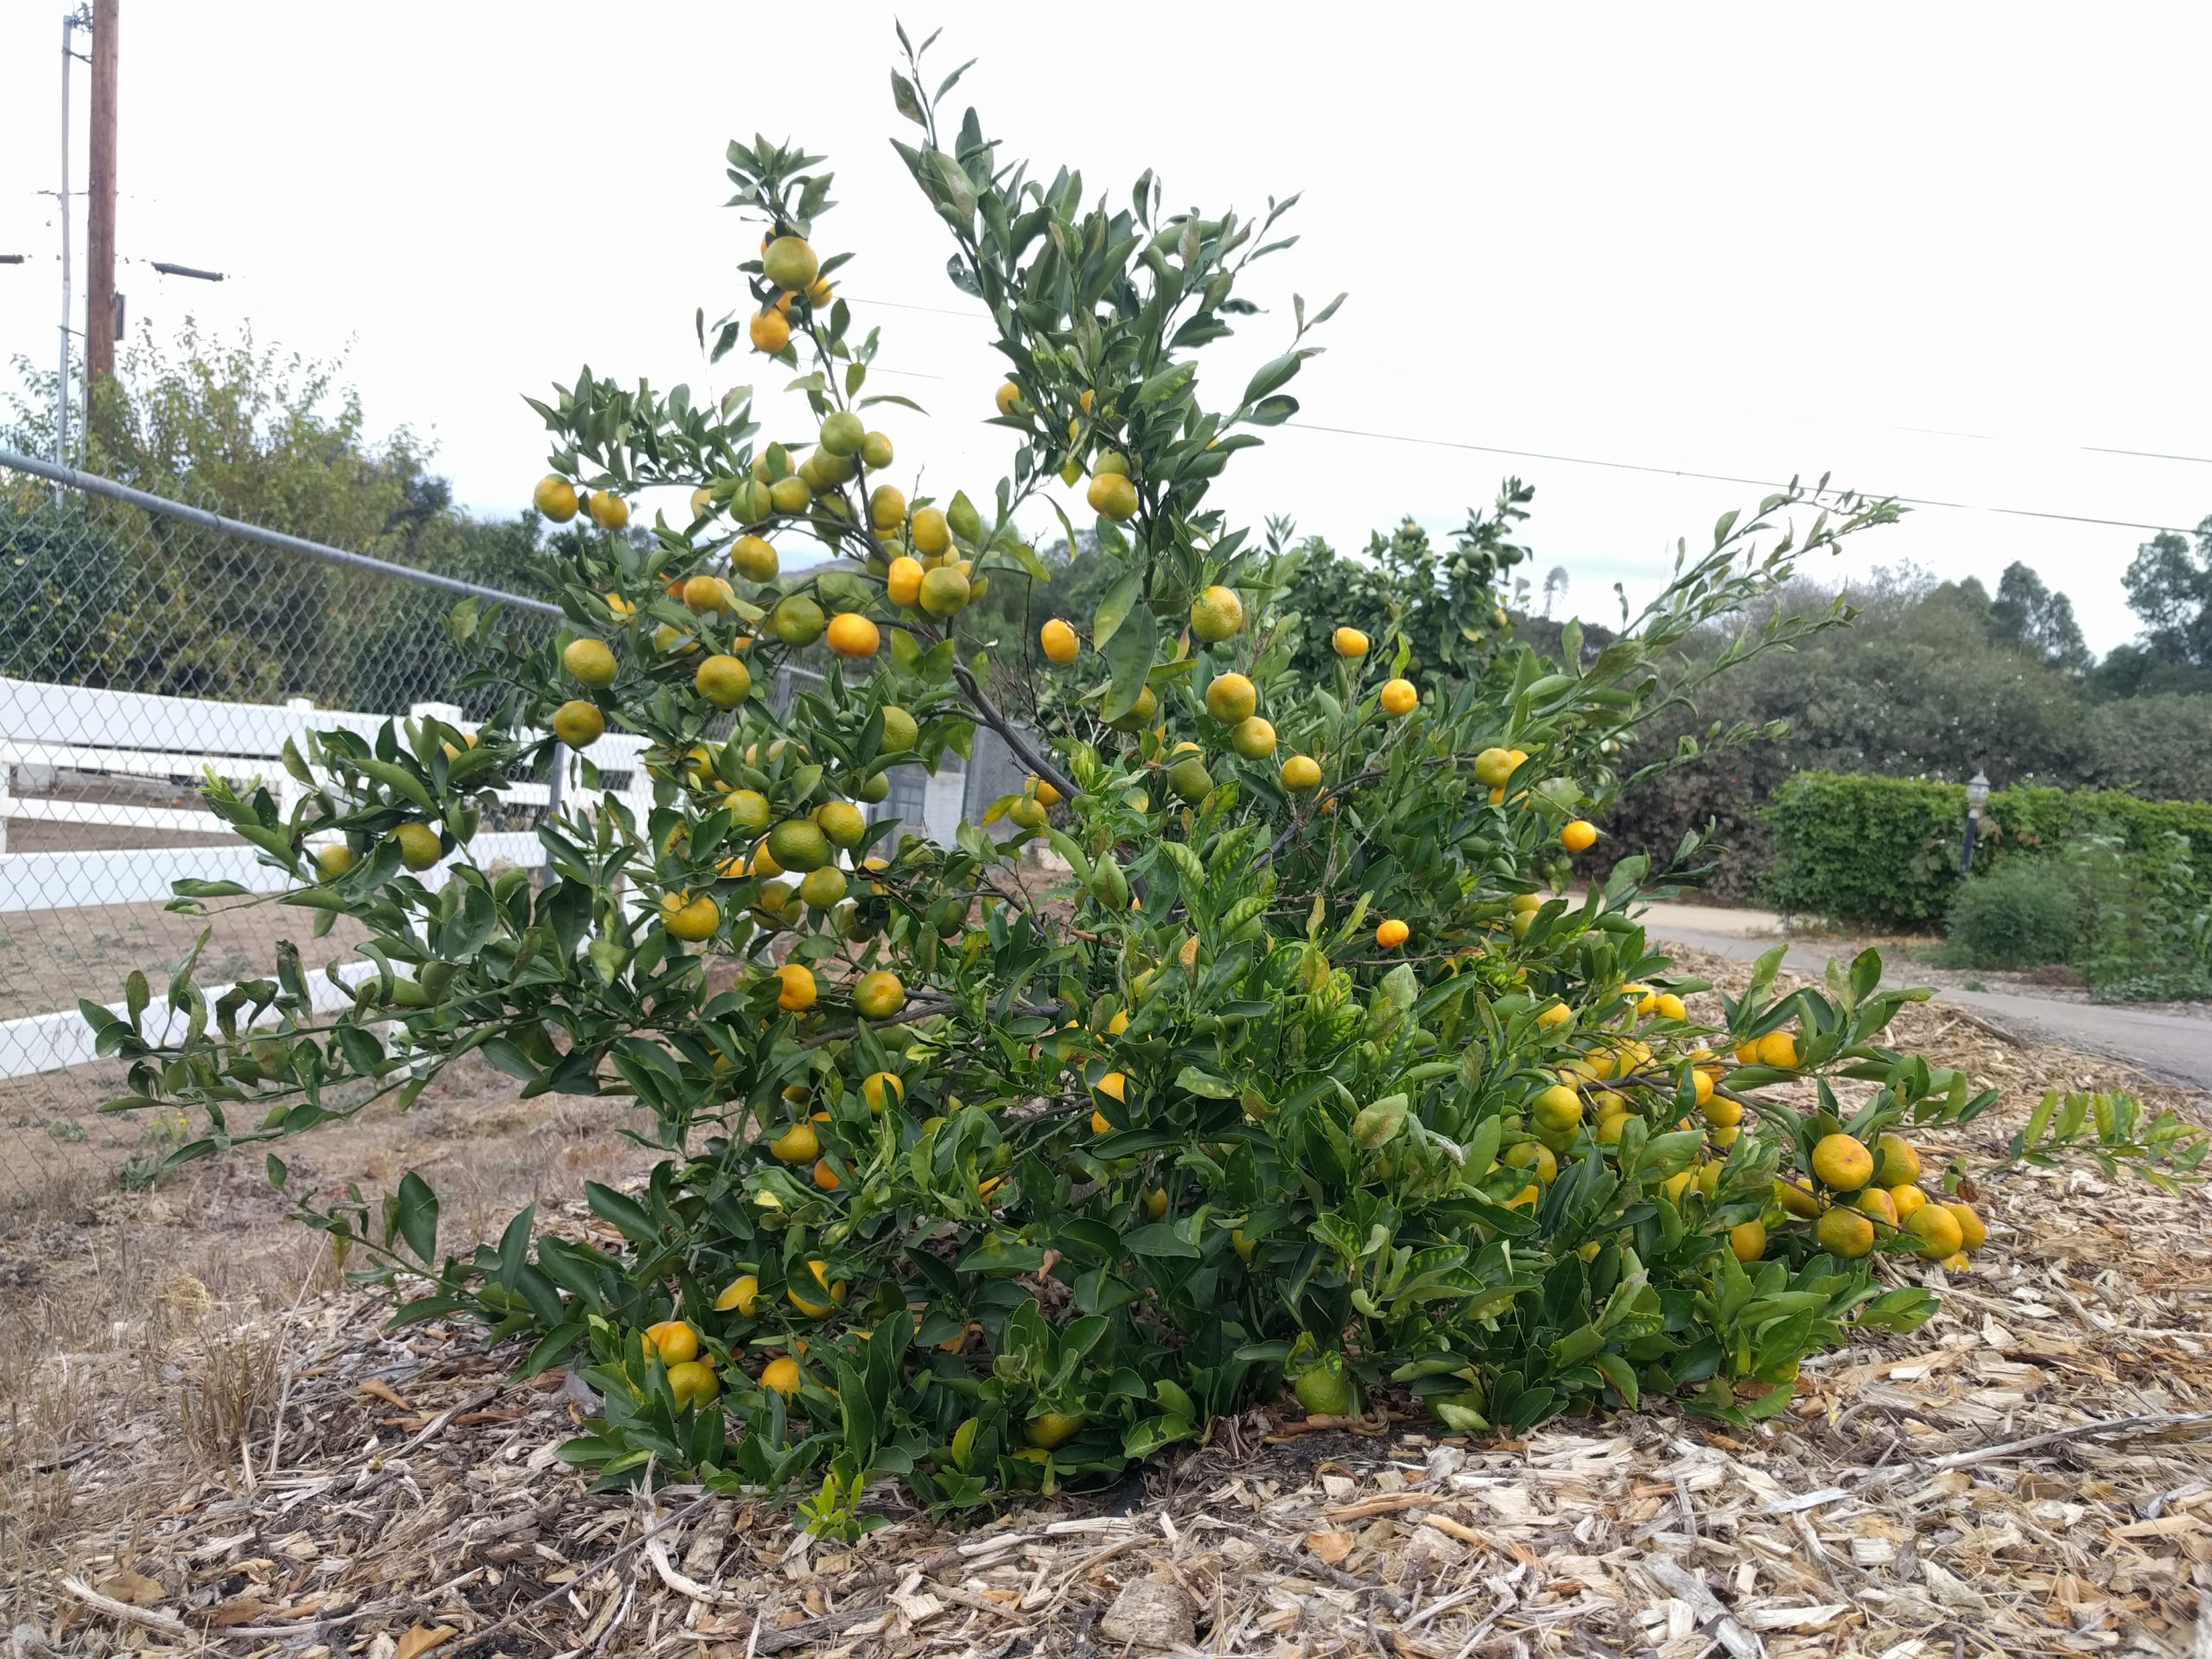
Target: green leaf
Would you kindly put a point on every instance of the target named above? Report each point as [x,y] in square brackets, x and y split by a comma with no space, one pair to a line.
[1120,600]
[418,1219]
[1159,1238]
[1130,660]
[1191,1081]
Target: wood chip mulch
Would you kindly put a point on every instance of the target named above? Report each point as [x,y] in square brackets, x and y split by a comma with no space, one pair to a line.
[2029,1473]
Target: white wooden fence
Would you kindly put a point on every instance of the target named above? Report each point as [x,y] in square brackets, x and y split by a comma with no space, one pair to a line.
[60,746]
[97,761]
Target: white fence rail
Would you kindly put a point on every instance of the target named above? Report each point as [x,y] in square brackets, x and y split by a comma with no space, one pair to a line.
[60,743]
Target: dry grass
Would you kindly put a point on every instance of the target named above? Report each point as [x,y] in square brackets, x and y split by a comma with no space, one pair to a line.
[1928,1496]
[170,1302]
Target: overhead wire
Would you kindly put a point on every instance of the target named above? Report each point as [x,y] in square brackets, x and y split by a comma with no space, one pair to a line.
[1668,472]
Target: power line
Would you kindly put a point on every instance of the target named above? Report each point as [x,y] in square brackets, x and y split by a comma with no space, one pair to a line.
[1714,478]
[1677,471]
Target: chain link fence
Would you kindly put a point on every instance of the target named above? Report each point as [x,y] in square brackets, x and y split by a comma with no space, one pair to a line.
[145,644]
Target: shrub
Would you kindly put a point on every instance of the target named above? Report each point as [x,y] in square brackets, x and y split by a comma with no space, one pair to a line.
[988,1191]
[2017,915]
[1885,850]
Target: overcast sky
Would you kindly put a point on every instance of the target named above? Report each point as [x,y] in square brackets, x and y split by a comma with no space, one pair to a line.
[1942,251]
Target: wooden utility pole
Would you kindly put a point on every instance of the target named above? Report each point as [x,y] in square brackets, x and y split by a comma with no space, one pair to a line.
[99,217]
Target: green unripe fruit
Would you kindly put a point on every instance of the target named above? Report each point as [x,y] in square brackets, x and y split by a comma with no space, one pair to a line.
[1190,779]
[876,451]
[843,433]
[799,844]
[796,620]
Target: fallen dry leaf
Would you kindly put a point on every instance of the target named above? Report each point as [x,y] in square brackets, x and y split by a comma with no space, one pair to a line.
[420,1640]
[134,1587]
[381,1390]
[1332,1545]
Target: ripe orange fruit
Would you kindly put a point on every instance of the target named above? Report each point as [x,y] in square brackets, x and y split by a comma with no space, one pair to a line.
[824,1177]
[692,1382]
[1559,1108]
[1399,697]
[1058,642]
[333,861]
[798,990]
[1114,1083]
[1253,737]
[1908,1199]
[879,994]
[1971,1234]
[1667,1006]
[608,511]
[1779,1049]
[1231,698]
[853,636]
[781,1373]
[579,724]
[1300,773]
[1747,1240]
[723,681]
[770,332]
[1897,1164]
[1008,398]
[418,844]
[590,661]
[882,1089]
[742,1293]
[902,582]
[1112,496]
[1875,1202]
[1392,933]
[1216,614]
[1937,1230]
[1842,1163]
[1795,1199]
[798,1144]
[709,594]
[1533,1154]
[688,918]
[887,506]
[1348,643]
[673,1340]
[1578,836]
[556,498]
[818,1271]
[1846,1233]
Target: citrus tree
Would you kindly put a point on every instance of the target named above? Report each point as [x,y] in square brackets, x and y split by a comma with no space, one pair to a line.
[1297,1064]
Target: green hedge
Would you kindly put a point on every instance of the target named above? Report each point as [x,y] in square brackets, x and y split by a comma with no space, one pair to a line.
[1885,850]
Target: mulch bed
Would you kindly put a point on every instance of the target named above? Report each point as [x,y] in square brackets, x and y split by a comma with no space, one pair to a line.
[2029,1473]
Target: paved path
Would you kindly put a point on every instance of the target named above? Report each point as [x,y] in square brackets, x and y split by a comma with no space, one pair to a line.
[2173,1046]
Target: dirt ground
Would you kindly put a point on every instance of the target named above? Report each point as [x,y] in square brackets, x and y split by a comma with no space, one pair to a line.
[206,1447]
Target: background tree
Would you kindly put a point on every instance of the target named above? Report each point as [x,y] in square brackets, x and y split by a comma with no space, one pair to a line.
[2027,614]
[2170,586]
[147,603]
